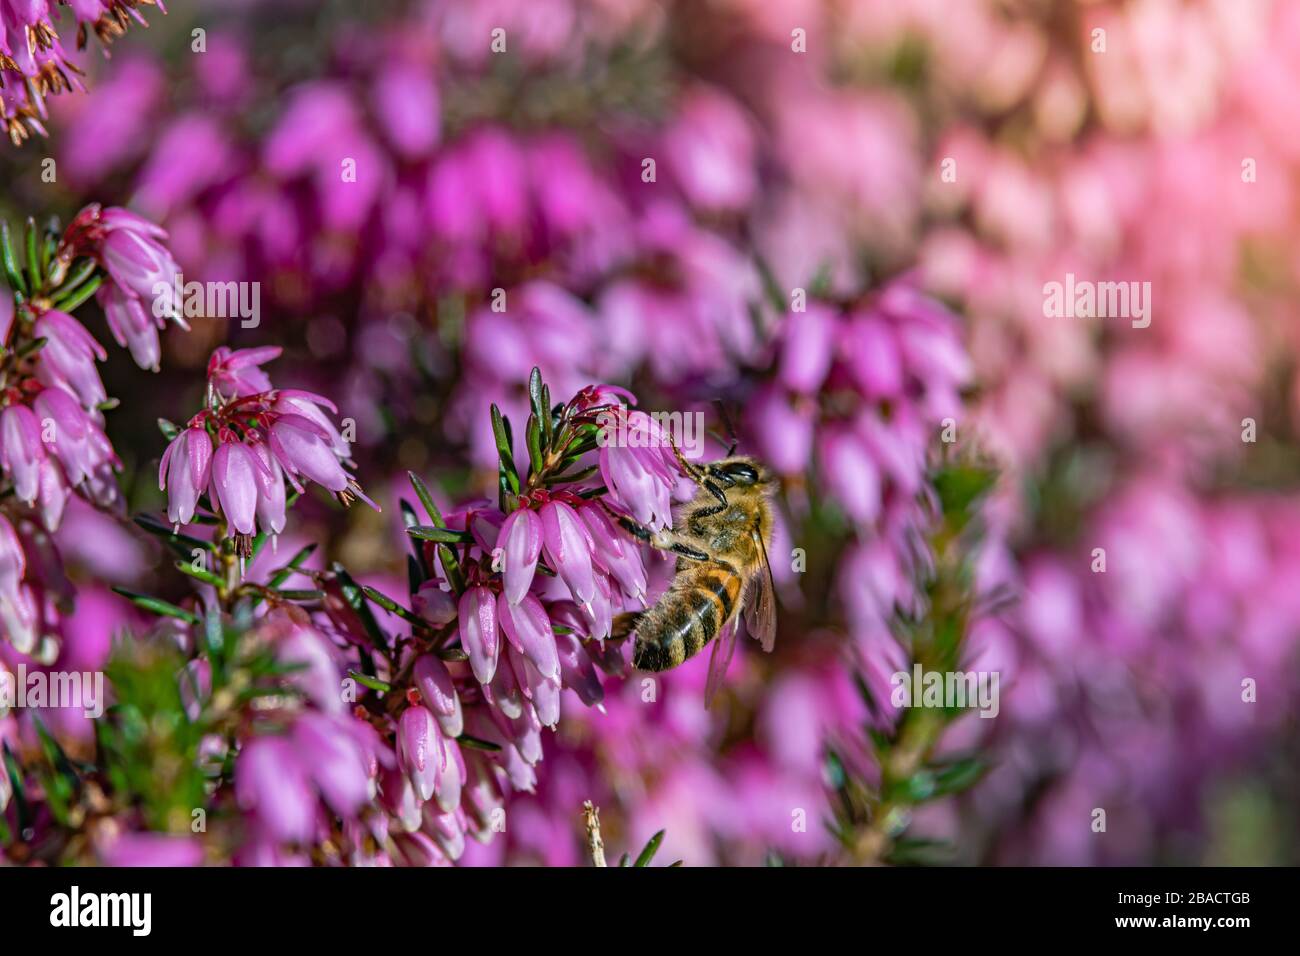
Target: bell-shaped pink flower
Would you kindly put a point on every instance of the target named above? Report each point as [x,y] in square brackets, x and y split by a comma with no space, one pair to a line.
[808,344]
[439,694]
[292,401]
[236,373]
[577,672]
[529,631]
[521,539]
[333,761]
[419,750]
[478,631]
[184,472]
[270,781]
[131,324]
[21,450]
[68,356]
[303,448]
[270,490]
[234,485]
[568,548]
[435,605]
[72,433]
[620,558]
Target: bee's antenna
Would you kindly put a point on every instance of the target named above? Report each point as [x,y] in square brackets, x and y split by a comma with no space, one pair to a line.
[726,421]
[693,471]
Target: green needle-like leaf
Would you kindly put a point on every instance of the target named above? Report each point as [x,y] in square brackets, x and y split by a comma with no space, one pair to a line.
[650,850]
[157,605]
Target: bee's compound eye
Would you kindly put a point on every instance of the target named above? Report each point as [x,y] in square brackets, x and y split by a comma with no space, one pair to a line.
[741,473]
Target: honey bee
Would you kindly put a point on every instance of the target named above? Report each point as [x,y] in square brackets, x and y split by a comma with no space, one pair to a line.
[720,538]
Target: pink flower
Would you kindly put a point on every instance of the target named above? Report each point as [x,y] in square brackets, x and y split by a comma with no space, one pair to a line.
[237,373]
[521,538]
[233,486]
[184,472]
[132,325]
[21,450]
[271,782]
[528,629]
[270,490]
[68,356]
[439,694]
[304,448]
[478,632]
[568,549]
[419,750]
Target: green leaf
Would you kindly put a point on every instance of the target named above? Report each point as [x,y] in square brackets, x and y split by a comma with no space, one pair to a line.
[183,544]
[535,399]
[157,605]
[444,535]
[650,849]
[301,594]
[958,775]
[12,272]
[392,607]
[509,474]
[76,277]
[357,599]
[426,499]
[33,256]
[477,743]
[534,436]
[74,299]
[374,683]
[204,575]
[32,347]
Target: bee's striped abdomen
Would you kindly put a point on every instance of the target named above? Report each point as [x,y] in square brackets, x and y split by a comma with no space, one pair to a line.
[688,616]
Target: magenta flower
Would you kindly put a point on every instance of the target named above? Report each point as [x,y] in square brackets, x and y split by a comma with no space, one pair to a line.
[79,444]
[521,539]
[438,692]
[478,632]
[152,849]
[237,373]
[184,472]
[419,750]
[132,325]
[614,553]
[68,356]
[568,549]
[136,261]
[434,604]
[271,783]
[21,450]
[233,486]
[807,348]
[333,761]
[528,629]
[270,490]
[292,401]
[640,472]
[305,449]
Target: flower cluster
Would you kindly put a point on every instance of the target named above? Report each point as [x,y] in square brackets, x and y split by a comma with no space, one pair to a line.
[52,399]
[34,62]
[263,437]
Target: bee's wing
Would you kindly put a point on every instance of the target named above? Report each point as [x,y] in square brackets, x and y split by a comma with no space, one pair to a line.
[719,660]
[760,602]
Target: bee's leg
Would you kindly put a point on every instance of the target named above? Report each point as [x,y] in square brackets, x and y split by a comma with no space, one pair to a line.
[693,471]
[686,551]
[659,539]
[714,489]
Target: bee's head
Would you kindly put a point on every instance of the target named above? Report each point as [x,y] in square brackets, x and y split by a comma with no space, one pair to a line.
[741,472]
